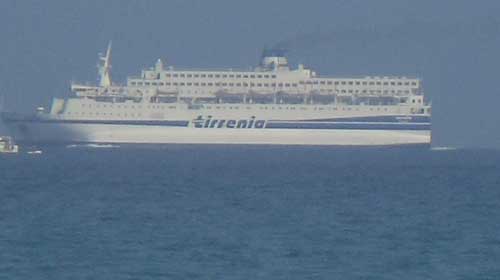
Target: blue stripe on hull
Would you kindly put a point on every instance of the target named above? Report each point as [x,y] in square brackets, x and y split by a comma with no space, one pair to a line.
[394,118]
[369,126]
[360,123]
[114,122]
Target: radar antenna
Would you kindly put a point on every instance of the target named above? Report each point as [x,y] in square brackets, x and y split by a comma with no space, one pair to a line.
[104,68]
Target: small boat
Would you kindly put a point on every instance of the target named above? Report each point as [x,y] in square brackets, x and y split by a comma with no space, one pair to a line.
[7,145]
[36,152]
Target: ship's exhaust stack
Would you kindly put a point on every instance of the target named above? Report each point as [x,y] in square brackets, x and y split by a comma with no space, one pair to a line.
[159,65]
[104,68]
[274,59]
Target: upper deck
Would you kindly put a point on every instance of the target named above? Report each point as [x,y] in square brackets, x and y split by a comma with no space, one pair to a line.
[272,75]
[272,78]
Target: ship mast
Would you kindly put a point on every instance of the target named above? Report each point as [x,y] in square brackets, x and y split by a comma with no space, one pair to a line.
[104,68]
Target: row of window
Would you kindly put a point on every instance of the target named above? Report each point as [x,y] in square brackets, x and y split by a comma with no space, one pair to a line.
[322,108]
[358,83]
[111,106]
[331,91]
[125,106]
[182,75]
[104,114]
[219,84]
[224,108]
[302,108]
[392,83]
[215,84]
[374,91]
[371,92]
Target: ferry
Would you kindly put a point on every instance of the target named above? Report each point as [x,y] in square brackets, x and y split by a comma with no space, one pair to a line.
[271,104]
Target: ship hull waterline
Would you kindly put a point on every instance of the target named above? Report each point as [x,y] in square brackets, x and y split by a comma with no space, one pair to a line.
[61,133]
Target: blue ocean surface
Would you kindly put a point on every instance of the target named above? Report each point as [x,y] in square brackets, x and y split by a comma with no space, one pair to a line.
[250,212]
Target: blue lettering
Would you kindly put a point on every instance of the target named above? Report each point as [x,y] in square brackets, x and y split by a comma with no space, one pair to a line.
[250,124]
[230,123]
[198,122]
[260,124]
[221,123]
[213,123]
[242,124]
[209,122]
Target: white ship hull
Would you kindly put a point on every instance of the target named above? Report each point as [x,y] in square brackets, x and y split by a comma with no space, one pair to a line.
[138,134]
[271,104]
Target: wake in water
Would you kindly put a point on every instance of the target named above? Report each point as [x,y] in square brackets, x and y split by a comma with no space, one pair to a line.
[95,146]
[444,148]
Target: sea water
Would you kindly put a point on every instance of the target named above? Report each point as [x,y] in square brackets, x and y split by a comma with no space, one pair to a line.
[250,212]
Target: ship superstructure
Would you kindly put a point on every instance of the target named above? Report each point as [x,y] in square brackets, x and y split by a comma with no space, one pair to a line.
[270,104]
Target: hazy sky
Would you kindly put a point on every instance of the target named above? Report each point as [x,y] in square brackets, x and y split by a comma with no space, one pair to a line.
[453,45]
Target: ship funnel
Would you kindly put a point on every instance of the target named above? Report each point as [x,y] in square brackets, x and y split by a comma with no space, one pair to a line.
[274,59]
[159,65]
[104,68]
